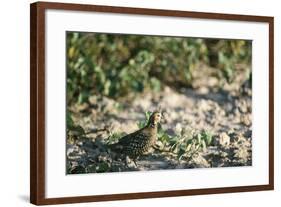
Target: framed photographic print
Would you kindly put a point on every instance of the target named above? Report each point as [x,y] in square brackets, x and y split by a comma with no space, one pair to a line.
[130,103]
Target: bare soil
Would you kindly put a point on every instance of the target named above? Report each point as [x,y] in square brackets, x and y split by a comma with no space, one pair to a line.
[226,113]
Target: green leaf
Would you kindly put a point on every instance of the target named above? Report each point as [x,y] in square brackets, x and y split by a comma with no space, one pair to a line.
[69,121]
[208,137]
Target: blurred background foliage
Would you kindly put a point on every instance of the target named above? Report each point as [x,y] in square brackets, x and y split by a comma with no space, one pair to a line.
[115,65]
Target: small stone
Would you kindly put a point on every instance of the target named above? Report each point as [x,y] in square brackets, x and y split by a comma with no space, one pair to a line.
[200,162]
[241,154]
[246,119]
[205,105]
[224,139]
[203,90]
[178,129]
[223,154]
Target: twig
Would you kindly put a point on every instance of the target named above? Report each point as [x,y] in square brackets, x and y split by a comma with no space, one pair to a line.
[93,131]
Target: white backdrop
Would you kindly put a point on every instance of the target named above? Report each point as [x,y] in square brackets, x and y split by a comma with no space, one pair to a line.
[14,107]
[60,185]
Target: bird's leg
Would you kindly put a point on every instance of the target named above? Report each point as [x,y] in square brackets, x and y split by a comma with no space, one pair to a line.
[135,162]
[127,161]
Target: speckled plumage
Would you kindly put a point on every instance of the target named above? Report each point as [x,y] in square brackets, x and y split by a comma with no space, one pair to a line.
[139,142]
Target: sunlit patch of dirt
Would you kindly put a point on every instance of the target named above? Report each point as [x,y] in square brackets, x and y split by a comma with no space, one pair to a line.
[226,113]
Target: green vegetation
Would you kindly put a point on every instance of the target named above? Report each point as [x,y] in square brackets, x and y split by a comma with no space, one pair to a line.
[184,144]
[116,65]
[201,84]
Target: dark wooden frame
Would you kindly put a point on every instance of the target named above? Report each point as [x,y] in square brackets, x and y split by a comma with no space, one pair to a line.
[37,102]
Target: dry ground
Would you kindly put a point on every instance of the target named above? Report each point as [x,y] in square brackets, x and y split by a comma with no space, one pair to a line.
[225,113]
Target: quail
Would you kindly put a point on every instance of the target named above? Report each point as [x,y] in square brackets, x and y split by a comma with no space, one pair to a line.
[139,142]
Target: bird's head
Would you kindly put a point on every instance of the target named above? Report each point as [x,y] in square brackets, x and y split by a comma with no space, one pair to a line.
[155,118]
